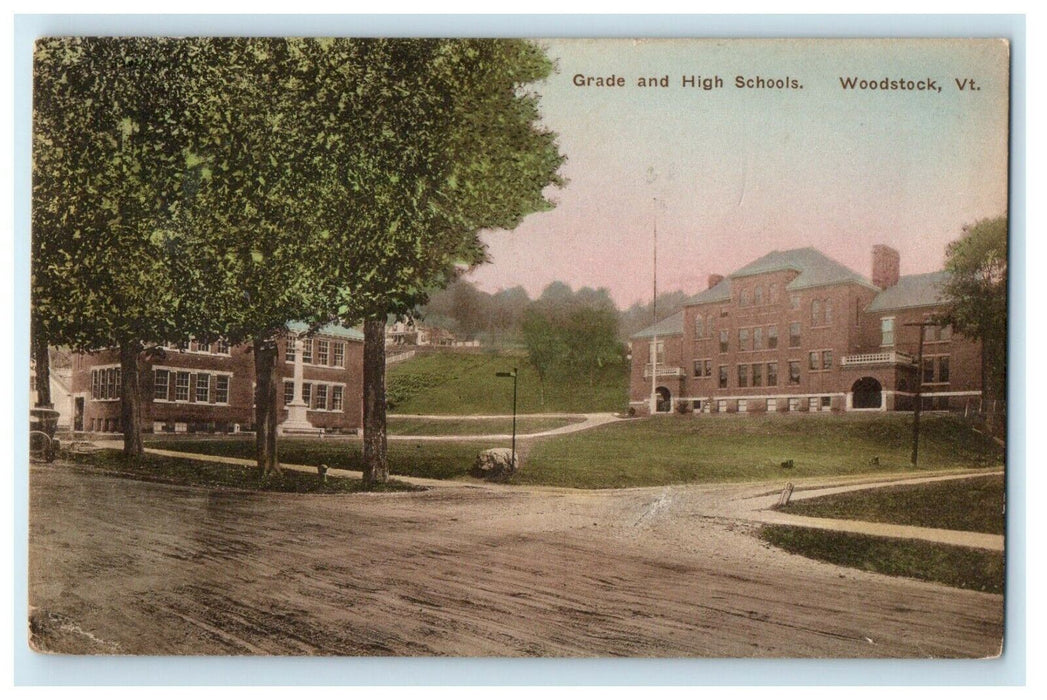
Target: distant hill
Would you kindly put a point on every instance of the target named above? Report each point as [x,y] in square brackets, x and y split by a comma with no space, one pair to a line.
[458,383]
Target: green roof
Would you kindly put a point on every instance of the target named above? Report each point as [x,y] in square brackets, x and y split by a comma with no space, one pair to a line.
[332,329]
[816,269]
[670,325]
[718,292]
[911,291]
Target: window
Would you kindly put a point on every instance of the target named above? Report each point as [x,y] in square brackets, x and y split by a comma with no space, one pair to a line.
[772,374]
[699,327]
[307,392]
[221,388]
[812,404]
[288,392]
[161,384]
[887,331]
[946,333]
[943,369]
[743,339]
[743,406]
[743,375]
[794,371]
[339,353]
[774,293]
[928,370]
[828,312]
[113,379]
[659,352]
[813,362]
[757,375]
[699,366]
[96,392]
[723,376]
[744,298]
[182,386]
[708,368]
[307,350]
[816,313]
[290,348]
[758,295]
[827,403]
[336,398]
[723,341]
[772,337]
[721,406]
[222,347]
[772,405]
[757,339]
[203,388]
[322,352]
[794,404]
[827,359]
[321,397]
[794,301]
[794,335]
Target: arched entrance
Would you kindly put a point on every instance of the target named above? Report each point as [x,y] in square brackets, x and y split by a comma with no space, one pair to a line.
[665,400]
[868,393]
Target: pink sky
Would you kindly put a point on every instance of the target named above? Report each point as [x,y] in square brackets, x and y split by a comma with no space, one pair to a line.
[731,174]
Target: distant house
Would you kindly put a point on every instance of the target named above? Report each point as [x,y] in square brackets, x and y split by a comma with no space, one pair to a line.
[209,387]
[797,331]
[411,332]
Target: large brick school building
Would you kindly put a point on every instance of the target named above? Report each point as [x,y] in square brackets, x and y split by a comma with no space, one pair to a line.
[209,387]
[798,331]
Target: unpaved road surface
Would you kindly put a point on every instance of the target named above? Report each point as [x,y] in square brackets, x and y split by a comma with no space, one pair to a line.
[119,566]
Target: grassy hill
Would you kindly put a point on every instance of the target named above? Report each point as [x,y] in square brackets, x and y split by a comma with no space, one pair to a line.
[465,383]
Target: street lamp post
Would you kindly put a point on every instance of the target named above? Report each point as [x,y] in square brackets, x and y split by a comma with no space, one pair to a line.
[919,392]
[513,375]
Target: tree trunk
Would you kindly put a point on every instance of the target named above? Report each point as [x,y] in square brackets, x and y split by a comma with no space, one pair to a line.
[265,407]
[131,397]
[43,371]
[376,461]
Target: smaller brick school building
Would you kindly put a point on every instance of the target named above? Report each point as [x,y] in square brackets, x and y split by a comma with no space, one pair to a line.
[209,387]
[797,331]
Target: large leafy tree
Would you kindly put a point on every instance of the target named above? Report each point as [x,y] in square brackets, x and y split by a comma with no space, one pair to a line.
[430,143]
[109,164]
[977,296]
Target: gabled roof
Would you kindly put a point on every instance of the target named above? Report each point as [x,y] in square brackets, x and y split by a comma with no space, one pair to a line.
[331,329]
[671,325]
[719,292]
[816,269]
[911,291]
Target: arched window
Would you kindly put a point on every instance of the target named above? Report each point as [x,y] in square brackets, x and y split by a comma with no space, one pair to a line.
[758,295]
[816,313]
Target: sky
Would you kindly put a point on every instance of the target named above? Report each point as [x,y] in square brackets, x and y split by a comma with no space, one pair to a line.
[729,174]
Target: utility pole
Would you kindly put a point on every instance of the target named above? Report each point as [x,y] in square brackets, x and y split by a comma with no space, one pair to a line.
[919,392]
[513,375]
[654,314]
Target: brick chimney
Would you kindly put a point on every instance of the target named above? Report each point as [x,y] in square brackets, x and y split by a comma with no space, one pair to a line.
[886,263]
[714,280]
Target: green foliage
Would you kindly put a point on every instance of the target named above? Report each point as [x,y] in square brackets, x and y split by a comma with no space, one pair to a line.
[974,504]
[977,294]
[960,567]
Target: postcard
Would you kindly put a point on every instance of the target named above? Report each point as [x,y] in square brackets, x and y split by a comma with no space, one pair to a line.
[679,348]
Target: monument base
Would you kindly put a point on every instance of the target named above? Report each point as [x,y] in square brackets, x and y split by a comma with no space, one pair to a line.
[297,423]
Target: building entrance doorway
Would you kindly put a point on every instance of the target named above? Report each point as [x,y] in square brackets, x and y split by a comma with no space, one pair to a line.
[867,393]
[78,414]
[665,400]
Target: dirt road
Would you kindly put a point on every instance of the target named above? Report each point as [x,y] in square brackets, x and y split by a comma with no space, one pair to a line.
[129,567]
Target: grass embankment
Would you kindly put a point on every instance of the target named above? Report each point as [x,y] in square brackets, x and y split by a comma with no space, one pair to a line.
[409,425]
[961,567]
[452,383]
[189,472]
[685,449]
[430,460]
[665,450]
[974,504]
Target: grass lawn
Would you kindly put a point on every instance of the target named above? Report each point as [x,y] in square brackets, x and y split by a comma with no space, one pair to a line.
[431,460]
[664,450]
[961,567]
[188,472]
[683,449]
[409,425]
[974,504]
[453,383]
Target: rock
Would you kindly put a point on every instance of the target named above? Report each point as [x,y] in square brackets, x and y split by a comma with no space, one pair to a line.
[496,463]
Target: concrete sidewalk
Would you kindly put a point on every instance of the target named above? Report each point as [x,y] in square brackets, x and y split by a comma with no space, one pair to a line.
[761,509]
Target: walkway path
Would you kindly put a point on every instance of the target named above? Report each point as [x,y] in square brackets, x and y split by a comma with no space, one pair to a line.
[590,420]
